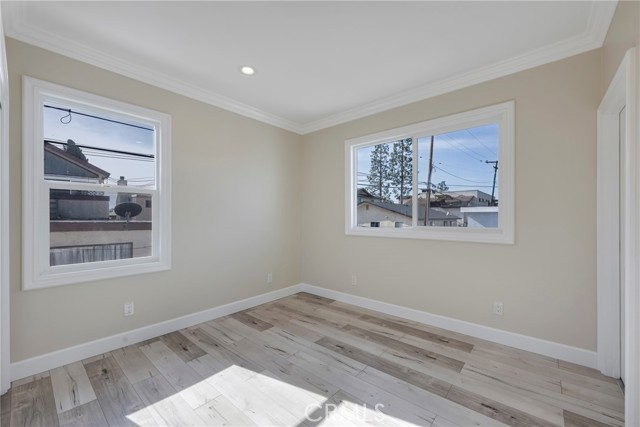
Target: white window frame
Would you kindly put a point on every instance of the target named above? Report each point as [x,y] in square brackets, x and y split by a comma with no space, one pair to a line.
[35,231]
[503,114]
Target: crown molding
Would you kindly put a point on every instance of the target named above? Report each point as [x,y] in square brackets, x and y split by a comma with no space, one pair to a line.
[592,38]
[17,27]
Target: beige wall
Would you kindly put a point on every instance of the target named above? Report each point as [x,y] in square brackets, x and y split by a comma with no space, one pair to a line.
[236,198]
[623,34]
[546,280]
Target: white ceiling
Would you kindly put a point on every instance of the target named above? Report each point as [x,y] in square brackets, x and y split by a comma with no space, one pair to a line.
[317,63]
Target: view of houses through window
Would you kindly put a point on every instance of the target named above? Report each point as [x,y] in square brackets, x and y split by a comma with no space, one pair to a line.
[454,182]
[88,220]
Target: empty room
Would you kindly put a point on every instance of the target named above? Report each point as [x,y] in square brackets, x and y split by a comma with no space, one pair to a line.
[320,213]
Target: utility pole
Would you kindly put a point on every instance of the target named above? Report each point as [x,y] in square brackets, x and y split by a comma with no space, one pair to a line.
[428,204]
[495,173]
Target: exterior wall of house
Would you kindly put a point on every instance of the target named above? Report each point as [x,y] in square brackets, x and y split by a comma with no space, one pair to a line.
[481,217]
[368,213]
[546,279]
[140,239]
[144,200]
[220,223]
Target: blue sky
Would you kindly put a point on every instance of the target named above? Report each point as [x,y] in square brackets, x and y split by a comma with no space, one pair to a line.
[458,158]
[99,133]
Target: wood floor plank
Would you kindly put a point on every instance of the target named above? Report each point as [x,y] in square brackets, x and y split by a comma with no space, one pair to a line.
[425,335]
[571,419]
[585,371]
[133,362]
[443,407]
[329,327]
[397,370]
[167,406]
[120,403]
[220,332]
[443,422]
[32,404]
[183,347]
[181,376]
[251,321]
[512,355]
[313,299]
[5,409]
[513,375]
[327,415]
[369,394]
[285,370]
[491,386]
[360,413]
[22,381]
[295,399]
[390,343]
[291,328]
[96,357]
[275,345]
[261,408]
[305,314]
[297,343]
[337,317]
[548,403]
[221,412]
[590,395]
[71,387]
[220,351]
[86,415]
[494,409]
[269,315]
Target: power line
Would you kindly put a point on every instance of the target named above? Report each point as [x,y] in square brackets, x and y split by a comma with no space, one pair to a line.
[69,111]
[493,153]
[464,179]
[460,149]
[108,150]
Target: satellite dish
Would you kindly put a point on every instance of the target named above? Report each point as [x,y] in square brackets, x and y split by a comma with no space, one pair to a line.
[128,210]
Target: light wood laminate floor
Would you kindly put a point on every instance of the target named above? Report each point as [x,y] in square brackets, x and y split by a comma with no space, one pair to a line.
[306,361]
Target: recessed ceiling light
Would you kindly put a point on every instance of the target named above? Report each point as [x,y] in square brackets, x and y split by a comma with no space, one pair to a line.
[247,71]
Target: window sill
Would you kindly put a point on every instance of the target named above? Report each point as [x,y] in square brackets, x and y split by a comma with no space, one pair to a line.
[462,234]
[98,272]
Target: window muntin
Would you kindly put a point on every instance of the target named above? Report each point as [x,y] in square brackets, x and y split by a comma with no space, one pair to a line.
[466,153]
[97,187]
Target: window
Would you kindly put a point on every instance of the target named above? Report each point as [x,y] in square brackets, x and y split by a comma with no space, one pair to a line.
[450,178]
[96,176]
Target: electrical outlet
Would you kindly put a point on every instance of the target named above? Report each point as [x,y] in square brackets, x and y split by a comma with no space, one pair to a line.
[128,308]
[498,308]
[269,277]
[354,280]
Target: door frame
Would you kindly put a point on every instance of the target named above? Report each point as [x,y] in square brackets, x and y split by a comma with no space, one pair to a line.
[5,354]
[622,93]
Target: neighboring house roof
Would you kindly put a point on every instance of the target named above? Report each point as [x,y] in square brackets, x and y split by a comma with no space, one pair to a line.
[68,157]
[448,201]
[406,210]
[364,194]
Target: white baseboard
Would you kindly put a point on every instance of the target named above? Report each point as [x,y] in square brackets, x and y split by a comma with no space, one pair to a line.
[523,342]
[35,365]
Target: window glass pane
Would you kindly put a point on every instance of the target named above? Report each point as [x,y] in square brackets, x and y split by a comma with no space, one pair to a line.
[462,189]
[385,184]
[85,146]
[91,226]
